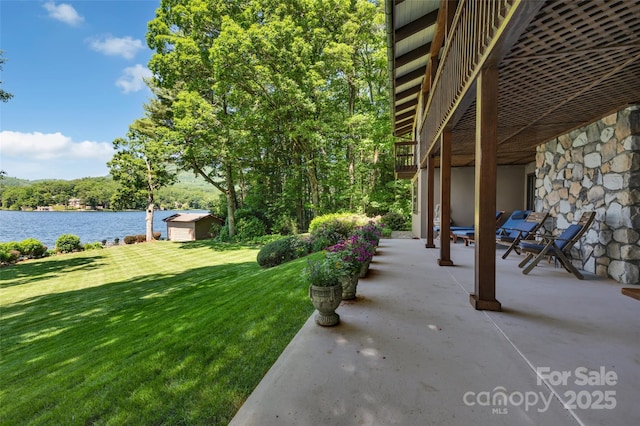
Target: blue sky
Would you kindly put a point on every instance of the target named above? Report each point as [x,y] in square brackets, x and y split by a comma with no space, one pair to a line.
[75,69]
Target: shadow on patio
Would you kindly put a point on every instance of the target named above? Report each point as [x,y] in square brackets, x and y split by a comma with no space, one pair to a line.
[412,351]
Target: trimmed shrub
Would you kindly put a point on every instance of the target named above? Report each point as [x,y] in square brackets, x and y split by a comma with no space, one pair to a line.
[157,235]
[329,229]
[141,238]
[394,221]
[277,252]
[302,245]
[68,243]
[93,246]
[249,228]
[284,250]
[9,252]
[129,239]
[32,248]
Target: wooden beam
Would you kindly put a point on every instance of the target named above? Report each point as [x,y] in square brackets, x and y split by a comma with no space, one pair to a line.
[404,130]
[410,76]
[486,170]
[430,203]
[408,104]
[411,56]
[404,116]
[406,93]
[418,25]
[445,199]
[406,122]
[426,80]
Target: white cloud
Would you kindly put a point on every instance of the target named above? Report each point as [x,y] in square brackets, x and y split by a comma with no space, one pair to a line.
[63,12]
[52,156]
[132,78]
[127,47]
[38,146]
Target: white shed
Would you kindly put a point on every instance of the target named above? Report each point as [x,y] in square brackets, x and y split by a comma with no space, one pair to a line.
[190,226]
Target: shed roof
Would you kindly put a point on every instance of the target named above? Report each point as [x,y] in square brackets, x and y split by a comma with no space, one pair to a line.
[189,217]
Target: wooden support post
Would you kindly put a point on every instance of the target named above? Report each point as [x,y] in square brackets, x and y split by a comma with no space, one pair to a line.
[445,199]
[430,207]
[485,200]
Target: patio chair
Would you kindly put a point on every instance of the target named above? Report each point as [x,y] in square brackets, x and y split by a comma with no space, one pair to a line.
[522,230]
[556,247]
[516,217]
[467,233]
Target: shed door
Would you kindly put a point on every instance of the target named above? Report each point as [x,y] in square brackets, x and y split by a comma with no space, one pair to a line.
[180,234]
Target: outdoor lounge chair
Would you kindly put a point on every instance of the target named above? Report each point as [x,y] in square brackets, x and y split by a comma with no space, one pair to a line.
[522,230]
[516,217]
[557,247]
[468,233]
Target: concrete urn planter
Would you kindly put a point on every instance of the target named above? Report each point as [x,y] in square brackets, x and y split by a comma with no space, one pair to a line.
[326,300]
[349,284]
[364,269]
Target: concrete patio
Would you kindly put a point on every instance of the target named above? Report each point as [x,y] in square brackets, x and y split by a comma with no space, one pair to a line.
[411,350]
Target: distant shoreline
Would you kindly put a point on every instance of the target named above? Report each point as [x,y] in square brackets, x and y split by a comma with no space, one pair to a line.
[90,210]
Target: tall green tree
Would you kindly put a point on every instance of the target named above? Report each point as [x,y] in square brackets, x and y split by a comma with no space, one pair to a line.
[141,165]
[282,105]
[202,130]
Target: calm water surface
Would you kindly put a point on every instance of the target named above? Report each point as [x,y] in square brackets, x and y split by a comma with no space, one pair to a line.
[90,226]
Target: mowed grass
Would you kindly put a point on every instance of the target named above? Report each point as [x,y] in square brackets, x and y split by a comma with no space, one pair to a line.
[156,333]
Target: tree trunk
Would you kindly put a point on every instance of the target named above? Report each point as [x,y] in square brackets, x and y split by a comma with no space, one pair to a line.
[149,220]
[314,186]
[231,200]
[350,147]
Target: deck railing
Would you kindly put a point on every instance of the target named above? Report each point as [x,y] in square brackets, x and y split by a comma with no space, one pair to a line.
[474,25]
[405,153]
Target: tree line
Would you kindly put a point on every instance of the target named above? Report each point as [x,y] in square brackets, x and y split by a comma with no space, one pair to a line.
[282,106]
[99,192]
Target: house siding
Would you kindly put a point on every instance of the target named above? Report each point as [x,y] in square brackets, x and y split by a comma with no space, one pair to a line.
[510,195]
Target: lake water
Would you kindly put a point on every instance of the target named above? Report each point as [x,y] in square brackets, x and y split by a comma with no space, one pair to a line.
[90,226]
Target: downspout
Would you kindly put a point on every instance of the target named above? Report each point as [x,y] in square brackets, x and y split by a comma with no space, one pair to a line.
[388,12]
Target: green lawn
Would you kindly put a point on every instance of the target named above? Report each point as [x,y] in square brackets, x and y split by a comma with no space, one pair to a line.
[155,333]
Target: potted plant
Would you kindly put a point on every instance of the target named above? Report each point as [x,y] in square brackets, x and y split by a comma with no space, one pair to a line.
[325,290]
[370,232]
[365,243]
[349,257]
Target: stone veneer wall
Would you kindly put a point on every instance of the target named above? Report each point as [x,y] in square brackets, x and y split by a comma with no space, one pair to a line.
[597,167]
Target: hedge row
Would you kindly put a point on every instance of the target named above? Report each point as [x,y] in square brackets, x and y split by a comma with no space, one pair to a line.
[140,238]
[324,231]
[13,251]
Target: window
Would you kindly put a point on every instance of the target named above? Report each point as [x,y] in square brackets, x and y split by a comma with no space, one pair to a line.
[531,191]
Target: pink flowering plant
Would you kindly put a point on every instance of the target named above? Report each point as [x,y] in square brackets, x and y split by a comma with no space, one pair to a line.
[370,232]
[351,253]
